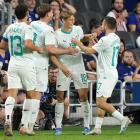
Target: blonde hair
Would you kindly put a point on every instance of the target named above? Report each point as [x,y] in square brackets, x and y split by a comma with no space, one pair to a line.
[66,14]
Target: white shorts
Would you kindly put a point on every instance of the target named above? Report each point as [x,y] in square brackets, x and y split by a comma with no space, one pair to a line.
[22,77]
[105,86]
[42,79]
[79,78]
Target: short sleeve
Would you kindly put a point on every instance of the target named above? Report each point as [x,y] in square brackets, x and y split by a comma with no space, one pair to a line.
[100,45]
[28,33]
[50,37]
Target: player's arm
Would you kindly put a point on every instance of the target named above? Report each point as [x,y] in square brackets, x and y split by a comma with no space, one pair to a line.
[54,59]
[28,44]
[60,51]
[87,50]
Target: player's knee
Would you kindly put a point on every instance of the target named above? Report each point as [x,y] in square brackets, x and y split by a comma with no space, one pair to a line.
[60,99]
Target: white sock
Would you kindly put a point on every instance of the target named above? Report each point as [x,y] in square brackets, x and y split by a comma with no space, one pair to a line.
[34,112]
[26,111]
[98,122]
[59,111]
[86,111]
[117,115]
[9,105]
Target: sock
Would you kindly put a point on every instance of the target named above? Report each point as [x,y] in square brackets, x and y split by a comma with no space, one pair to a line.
[26,111]
[86,111]
[98,122]
[9,105]
[59,111]
[34,112]
[118,115]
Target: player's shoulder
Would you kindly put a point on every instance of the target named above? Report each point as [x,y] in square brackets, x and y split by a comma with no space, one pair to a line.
[77,28]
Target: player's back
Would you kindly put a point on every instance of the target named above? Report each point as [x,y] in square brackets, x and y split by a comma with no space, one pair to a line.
[40,30]
[107,57]
[16,34]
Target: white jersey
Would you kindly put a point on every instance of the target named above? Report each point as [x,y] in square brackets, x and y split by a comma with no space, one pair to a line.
[16,34]
[43,35]
[107,48]
[63,40]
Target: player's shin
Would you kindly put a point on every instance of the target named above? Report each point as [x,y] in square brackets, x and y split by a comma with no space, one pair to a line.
[86,112]
[59,111]
[9,105]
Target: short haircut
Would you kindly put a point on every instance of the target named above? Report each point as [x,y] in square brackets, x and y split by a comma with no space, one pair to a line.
[66,14]
[111,22]
[43,9]
[128,51]
[52,67]
[21,11]
[113,1]
[94,23]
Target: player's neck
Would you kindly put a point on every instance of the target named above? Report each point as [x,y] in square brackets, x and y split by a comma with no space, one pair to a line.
[109,31]
[66,29]
[22,20]
[44,20]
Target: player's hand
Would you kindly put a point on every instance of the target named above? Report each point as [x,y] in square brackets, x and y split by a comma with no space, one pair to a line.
[77,42]
[134,76]
[41,50]
[66,72]
[72,51]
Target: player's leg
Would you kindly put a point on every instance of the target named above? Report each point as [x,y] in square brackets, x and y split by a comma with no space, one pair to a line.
[66,105]
[62,85]
[85,108]
[59,111]
[104,91]
[13,84]
[9,105]
[32,102]
[80,82]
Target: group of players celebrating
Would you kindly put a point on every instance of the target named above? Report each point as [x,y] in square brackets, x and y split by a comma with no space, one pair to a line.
[31,46]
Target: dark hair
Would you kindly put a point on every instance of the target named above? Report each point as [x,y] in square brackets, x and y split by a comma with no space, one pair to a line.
[111,22]
[138,1]
[60,6]
[43,9]
[94,23]
[121,40]
[127,50]
[21,11]
[52,67]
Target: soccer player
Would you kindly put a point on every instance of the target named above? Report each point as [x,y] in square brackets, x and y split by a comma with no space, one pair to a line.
[45,38]
[71,68]
[107,75]
[21,71]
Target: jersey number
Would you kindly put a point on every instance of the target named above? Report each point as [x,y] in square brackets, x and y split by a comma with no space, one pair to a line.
[16,46]
[115,55]
[34,39]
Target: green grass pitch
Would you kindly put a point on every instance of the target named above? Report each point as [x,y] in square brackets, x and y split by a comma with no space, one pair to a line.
[74,133]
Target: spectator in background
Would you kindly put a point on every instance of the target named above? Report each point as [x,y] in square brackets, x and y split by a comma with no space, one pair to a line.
[119,13]
[127,68]
[56,8]
[65,6]
[122,48]
[31,4]
[48,101]
[14,4]
[4,59]
[133,20]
